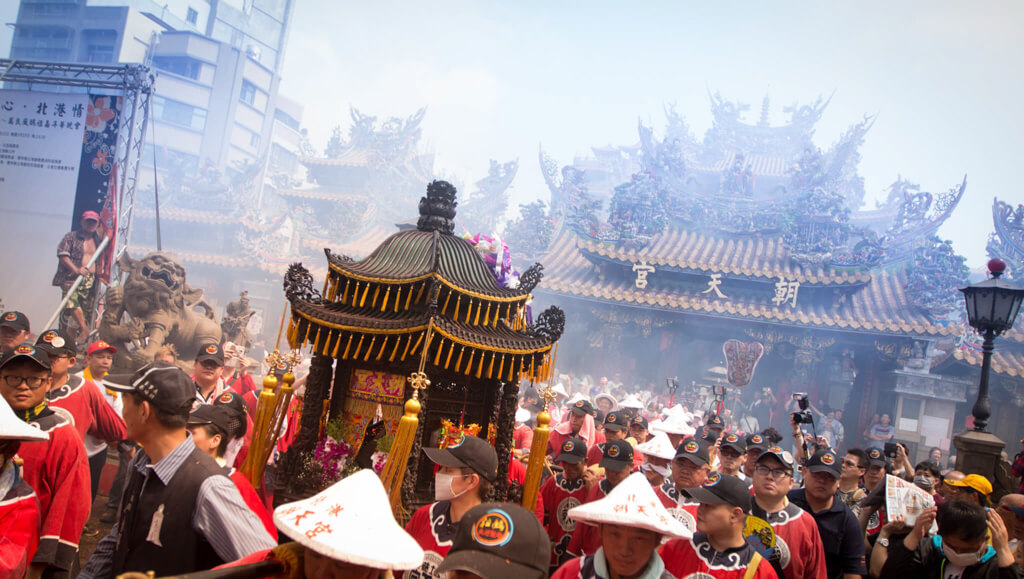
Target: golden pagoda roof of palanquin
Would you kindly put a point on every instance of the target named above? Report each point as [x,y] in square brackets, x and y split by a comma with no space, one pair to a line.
[880,306]
[748,256]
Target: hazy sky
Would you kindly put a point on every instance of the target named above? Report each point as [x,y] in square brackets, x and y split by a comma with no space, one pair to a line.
[501,79]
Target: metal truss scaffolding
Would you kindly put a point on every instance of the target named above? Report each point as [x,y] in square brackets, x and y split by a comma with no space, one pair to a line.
[133,82]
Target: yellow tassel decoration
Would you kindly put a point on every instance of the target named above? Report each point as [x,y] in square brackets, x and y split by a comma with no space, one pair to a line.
[347,346]
[448,360]
[469,310]
[469,365]
[458,302]
[501,367]
[408,298]
[382,348]
[359,346]
[535,467]
[419,294]
[387,294]
[437,354]
[327,344]
[376,294]
[490,368]
[369,350]
[366,292]
[416,348]
[487,316]
[394,352]
[334,353]
[344,294]
[408,344]
[458,362]
[480,366]
[448,297]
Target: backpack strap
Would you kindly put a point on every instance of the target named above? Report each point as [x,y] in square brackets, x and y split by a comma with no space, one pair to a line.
[755,562]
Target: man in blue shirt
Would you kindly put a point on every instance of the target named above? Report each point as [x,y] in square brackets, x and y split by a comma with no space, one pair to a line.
[840,532]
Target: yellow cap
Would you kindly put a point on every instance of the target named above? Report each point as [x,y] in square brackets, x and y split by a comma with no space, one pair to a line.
[974,481]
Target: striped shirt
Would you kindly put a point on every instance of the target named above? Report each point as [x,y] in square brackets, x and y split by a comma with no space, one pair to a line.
[221,515]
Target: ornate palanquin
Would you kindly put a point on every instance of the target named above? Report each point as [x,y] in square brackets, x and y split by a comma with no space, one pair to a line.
[424,296]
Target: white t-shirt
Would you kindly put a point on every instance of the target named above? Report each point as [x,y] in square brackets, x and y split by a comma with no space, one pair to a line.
[93,445]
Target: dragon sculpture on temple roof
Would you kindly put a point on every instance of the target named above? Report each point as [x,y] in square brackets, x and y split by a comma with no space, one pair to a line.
[1007,242]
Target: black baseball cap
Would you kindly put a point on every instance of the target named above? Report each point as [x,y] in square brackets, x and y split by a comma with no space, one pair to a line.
[218,416]
[14,320]
[707,434]
[26,350]
[715,421]
[722,489]
[470,452]
[824,461]
[875,457]
[581,407]
[695,451]
[57,343]
[236,404]
[616,421]
[617,455]
[735,442]
[499,541]
[783,456]
[640,421]
[210,352]
[162,384]
[573,451]
[757,441]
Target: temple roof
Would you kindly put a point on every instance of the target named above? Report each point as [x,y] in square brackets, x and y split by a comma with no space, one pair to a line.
[881,306]
[756,257]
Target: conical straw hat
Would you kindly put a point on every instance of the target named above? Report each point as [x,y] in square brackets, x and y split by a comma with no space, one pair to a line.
[632,503]
[351,521]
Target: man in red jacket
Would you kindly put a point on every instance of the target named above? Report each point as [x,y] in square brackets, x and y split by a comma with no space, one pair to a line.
[56,468]
[689,469]
[467,470]
[212,427]
[562,492]
[82,398]
[19,506]
[617,464]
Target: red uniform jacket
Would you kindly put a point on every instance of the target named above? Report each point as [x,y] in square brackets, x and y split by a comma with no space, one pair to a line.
[432,527]
[517,474]
[684,557]
[58,470]
[560,495]
[240,385]
[683,508]
[522,438]
[797,542]
[89,410]
[253,501]
[583,568]
[19,526]
[586,539]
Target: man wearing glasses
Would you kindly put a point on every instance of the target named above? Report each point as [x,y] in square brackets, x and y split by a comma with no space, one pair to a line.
[56,468]
[798,552]
[840,532]
[80,398]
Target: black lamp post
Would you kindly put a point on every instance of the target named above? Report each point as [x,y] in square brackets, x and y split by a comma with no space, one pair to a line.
[992,306]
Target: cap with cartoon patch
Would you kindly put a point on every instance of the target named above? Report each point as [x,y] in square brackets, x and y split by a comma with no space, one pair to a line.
[499,540]
[783,456]
[616,421]
[735,442]
[581,407]
[824,461]
[875,457]
[57,343]
[695,451]
[617,455]
[212,352]
[722,489]
[26,351]
[573,451]
[757,441]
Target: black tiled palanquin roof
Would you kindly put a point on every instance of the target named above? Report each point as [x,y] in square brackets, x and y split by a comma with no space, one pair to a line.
[423,292]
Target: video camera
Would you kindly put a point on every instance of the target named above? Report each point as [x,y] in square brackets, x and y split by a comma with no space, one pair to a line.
[804,415]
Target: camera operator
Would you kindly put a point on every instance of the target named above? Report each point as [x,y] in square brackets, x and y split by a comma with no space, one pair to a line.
[806,444]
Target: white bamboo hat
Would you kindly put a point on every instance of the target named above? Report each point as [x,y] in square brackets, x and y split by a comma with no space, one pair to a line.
[13,428]
[659,446]
[632,503]
[351,521]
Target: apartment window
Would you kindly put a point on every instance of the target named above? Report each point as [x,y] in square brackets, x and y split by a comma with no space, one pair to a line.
[248,95]
[179,65]
[254,140]
[286,119]
[282,159]
[192,17]
[99,45]
[179,113]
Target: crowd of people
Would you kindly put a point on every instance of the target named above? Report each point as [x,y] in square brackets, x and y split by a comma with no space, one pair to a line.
[632,488]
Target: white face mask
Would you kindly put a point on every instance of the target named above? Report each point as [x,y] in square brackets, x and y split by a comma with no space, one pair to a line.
[443,487]
[924,482]
[962,559]
[660,470]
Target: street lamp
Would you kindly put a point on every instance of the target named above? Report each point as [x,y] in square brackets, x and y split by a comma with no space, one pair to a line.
[992,306]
